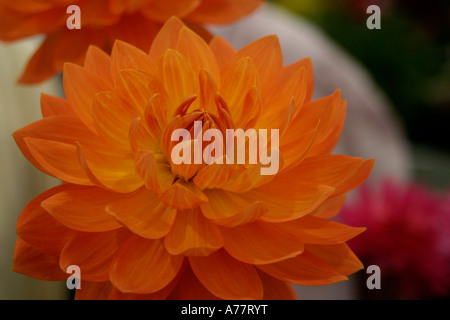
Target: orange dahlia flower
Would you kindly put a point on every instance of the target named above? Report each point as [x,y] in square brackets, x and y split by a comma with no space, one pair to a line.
[140,226]
[102,22]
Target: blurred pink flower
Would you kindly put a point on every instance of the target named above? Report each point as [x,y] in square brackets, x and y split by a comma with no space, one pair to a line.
[407,237]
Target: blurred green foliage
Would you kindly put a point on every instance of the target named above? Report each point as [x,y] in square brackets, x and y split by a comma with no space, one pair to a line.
[409,57]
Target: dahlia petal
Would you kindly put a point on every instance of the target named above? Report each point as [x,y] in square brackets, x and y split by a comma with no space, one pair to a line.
[99,62]
[314,230]
[339,256]
[189,288]
[58,159]
[135,29]
[289,93]
[58,129]
[40,66]
[144,214]
[223,51]
[305,269]
[156,114]
[230,10]
[30,261]
[112,119]
[230,209]
[289,202]
[175,72]
[251,109]
[267,56]
[250,214]
[55,106]
[275,289]
[193,235]
[305,63]
[331,170]
[136,88]
[167,38]
[193,47]
[330,111]
[183,196]
[72,46]
[250,178]
[208,90]
[126,56]
[34,219]
[260,243]
[156,173]
[93,290]
[92,252]
[295,148]
[143,266]
[330,207]
[213,175]
[114,171]
[161,11]
[83,209]
[15,25]
[80,87]
[241,77]
[226,277]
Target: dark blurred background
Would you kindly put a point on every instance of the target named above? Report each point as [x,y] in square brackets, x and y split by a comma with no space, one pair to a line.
[409,58]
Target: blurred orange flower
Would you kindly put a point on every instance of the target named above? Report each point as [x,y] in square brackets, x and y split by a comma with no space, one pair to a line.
[140,226]
[102,22]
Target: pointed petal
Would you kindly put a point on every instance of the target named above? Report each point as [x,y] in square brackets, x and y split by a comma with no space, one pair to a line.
[226,277]
[92,252]
[99,62]
[31,262]
[275,289]
[213,175]
[144,214]
[314,230]
[330,207]
[339,256]
[143,266]
[80,87]
[222,50]
[34,219]
[289,202]
[155,171]
[112,118]
[267,56]
[182,196]
[55,106]
[40,66]
[193,47]
[58,159]
[193,235]
[230,209]
[305,269]
[260,243]
[83,209]
[167,38]
[241,77]
[336,171]
[189,288]
[175,72]
[126,56]
[135,88]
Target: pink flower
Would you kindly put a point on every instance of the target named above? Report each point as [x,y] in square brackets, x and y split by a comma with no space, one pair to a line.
[407,237]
